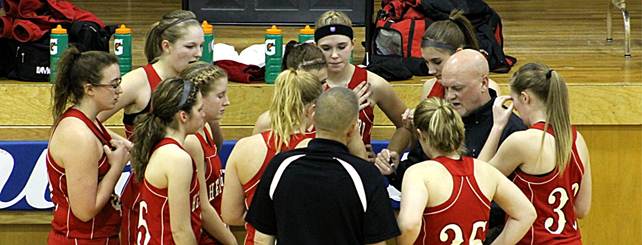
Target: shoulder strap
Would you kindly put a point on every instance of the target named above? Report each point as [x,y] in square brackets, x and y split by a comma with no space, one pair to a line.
[152,76]
[99,131]
[358,76]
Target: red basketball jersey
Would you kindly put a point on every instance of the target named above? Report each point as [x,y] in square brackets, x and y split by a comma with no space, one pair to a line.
[153,79]
[553,196]
[130,196]
[366,115]
[437,90]
[153,209]
[213,177]
[250,187]
[64,224]
[463,218]
[129,210]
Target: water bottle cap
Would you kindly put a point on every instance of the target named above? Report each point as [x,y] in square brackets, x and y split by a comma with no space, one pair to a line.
[274,30]
[306,30]
[59,30]
[123,30]
[207,28]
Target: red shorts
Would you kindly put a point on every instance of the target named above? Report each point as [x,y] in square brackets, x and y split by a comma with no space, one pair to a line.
[58,239]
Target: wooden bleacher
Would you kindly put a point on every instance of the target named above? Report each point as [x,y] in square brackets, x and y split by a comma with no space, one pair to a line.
[605,94]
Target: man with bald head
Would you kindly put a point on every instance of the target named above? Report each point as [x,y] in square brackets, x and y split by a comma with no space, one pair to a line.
[322,194]
[465,78]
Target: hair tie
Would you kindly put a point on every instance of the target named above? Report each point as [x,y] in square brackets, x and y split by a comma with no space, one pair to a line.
[335,29]
[549,74]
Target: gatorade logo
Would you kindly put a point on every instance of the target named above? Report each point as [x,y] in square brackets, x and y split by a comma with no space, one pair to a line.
[53,46]
[118,47]
[270,47]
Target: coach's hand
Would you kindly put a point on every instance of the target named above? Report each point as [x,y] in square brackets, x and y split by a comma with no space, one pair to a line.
[387,161]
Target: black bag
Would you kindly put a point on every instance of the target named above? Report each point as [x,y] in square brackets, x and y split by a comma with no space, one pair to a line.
[86,35]
[6,57]
[31,60]
[390,68]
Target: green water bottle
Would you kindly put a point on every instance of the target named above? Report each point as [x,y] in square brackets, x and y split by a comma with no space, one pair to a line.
[306,35]
[273,53]
[58,42]
[123,48]
[208,46]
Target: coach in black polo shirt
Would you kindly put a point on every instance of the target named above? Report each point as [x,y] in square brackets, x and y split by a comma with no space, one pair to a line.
[322,194]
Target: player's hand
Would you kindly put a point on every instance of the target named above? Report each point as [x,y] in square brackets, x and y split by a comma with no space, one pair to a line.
[119,155]
[387,161]
[502,111]
[363,94]
[407,119]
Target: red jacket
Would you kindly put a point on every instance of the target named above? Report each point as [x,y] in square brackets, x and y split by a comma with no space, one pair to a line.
[29,20]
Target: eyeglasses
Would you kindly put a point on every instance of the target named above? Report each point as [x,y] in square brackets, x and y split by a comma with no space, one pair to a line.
[114,85]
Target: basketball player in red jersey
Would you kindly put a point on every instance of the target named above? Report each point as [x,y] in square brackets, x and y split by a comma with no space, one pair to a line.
[446,200]
[212,82]
[171,44]
[168,207]
[334,35]
[550,161]
[83,161]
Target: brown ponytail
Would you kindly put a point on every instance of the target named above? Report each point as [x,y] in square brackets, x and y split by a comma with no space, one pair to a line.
[550,87]
[150,128]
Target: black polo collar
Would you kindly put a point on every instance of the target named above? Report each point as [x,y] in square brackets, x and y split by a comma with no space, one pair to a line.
[318,144]
[482,112]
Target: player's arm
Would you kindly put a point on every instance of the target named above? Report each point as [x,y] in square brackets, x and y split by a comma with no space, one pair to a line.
[262,123]
[233,205]
[211,221]
[413,203]
[584,194]
[387,100]
[501,116]
[518,208]
[79,155]
[510,154]
[179,178]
